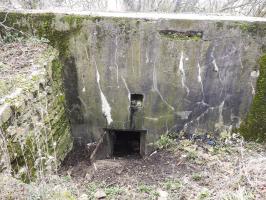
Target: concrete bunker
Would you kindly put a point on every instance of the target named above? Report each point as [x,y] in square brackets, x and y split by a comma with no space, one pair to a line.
[205,86]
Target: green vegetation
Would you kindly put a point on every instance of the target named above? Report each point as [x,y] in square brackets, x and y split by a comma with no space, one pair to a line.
[42,26]
[204,194]
[150,190]
[165,142]
[91,189]
[254,126]
[254,28]
[113,191]
[59,39]
[196,176]
[145,188]
[247,27]
[172,185]
[219,25]
[63,196]
[49,135]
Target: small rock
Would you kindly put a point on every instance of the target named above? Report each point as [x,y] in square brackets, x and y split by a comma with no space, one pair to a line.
[100,194]
[89,176]
[162,194]
[119,170]
[83,197]
[210,142]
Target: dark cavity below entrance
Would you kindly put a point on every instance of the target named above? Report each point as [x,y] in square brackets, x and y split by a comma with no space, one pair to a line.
[126,143]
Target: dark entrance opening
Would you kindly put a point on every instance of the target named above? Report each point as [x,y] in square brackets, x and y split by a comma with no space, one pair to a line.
[126,143]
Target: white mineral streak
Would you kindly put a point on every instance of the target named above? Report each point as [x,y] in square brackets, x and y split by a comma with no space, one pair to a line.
[252,88]
[128,91]
[200,79]
[116,65]
[147,57]
[216,68]
[199,74]
[155,87]
[255,74]
[182,71]
[106,109]
[215,65]
[221,106]
[240,58]
[83,83]
[214,61]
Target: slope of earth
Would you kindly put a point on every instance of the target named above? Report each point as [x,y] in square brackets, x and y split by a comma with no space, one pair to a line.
[186,170]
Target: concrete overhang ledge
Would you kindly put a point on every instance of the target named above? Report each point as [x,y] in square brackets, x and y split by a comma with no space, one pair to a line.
[148,15]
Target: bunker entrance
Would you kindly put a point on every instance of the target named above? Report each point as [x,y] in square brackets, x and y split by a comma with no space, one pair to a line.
[126,143]
[126,140]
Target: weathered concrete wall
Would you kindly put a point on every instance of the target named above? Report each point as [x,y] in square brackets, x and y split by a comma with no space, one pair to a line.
[196,75]
[191,84]
[34,131]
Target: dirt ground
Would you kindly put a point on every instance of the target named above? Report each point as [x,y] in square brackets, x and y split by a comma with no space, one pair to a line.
[131,170]
[189,170]
[229,170]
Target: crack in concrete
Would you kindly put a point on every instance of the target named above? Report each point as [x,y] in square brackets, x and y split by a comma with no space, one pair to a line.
[155,87]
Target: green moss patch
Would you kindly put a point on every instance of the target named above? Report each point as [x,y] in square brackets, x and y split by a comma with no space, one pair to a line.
[254,29]
[44,26]
[254,126]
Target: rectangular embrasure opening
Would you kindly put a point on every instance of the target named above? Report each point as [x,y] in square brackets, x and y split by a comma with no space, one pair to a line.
[126,143]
